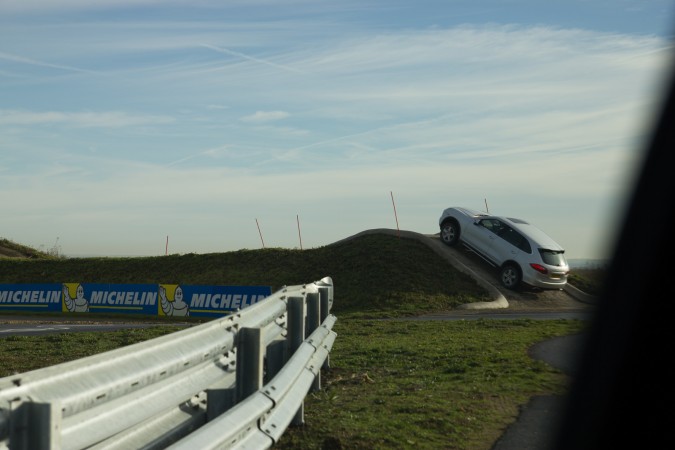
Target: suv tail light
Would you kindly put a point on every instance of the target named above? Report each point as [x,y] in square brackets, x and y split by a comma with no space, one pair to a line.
[539,268]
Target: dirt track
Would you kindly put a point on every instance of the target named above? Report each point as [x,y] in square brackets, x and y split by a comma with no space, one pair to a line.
[524,299]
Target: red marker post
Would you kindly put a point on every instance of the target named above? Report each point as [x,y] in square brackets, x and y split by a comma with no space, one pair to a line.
[260,233]
[297,218]
[398,230]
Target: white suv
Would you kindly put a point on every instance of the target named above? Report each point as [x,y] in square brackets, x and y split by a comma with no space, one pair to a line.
[522,252]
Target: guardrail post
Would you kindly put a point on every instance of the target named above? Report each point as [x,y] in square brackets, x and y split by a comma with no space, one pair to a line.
[275,357]
[325,306]
[314,322]
[249,362]
[218,401]
[325,310]
[296,323]
[296,335]
[313,313]
[35,426]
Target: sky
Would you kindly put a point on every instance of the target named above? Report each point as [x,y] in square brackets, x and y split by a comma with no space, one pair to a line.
[146,127]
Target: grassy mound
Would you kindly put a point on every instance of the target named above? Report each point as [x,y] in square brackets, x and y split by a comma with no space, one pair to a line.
[374,275]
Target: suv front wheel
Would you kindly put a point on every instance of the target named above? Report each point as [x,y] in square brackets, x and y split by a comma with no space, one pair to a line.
[450,232]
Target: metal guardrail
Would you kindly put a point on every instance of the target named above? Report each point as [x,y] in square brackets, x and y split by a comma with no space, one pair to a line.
[237,381]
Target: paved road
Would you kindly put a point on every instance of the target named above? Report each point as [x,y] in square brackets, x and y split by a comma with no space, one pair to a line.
[32,329]
[509,315]
[537,422]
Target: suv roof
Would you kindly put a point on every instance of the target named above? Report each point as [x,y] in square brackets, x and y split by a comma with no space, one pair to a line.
[538,237]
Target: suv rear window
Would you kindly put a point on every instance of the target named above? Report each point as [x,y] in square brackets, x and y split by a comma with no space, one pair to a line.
[552,257]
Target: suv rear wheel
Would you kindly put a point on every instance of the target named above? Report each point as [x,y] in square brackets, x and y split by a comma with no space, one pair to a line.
[510,276]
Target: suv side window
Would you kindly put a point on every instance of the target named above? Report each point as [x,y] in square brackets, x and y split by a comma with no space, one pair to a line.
[493,225]
[513,237]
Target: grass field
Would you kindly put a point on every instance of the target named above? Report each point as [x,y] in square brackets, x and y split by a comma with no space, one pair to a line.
[393,383]
[411,384]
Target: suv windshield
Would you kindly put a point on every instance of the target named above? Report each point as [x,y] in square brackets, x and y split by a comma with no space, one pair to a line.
[553,257]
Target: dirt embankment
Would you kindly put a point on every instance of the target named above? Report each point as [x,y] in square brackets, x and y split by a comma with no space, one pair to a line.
[9,249]
[9,253]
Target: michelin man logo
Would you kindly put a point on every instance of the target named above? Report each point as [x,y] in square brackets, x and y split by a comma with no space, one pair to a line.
[77,303]
[173,306]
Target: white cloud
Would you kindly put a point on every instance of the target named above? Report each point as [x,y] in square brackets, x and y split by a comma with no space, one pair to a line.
[87,5]
[46,5]
[265,116]
[109,119]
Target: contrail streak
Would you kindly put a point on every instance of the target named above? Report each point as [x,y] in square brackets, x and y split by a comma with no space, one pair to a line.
[251,58]
[33,62]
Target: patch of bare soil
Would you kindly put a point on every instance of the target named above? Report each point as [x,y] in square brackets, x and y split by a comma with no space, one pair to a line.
[10,253]
[525,297]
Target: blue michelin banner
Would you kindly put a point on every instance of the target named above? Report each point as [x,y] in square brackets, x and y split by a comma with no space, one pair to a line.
[30,297]
[149,299]
[207,301]
[110,298]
